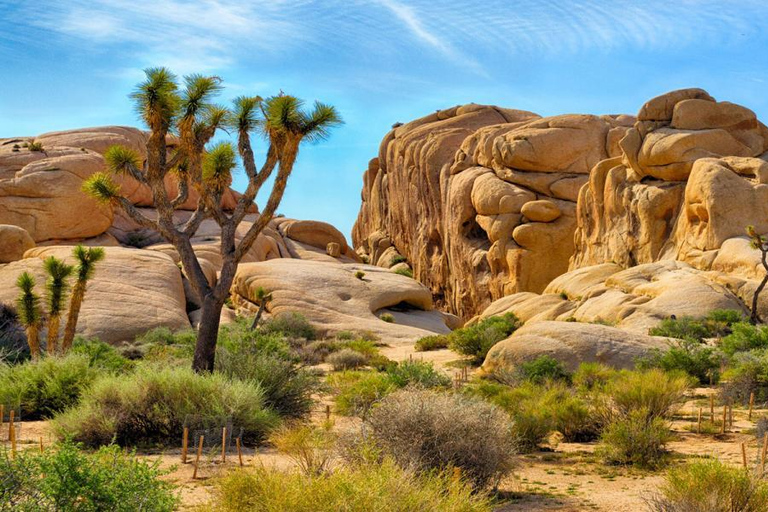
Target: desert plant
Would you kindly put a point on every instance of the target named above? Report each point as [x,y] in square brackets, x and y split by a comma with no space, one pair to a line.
[347,359]
[477,339]
[760,243]
[310,448]
[747,373]
[360,488]
[407,272]
[692,357]
[708,485]
[192,115]
[13,339]
[263,297]
[56,288]
[101,355]
[417,373]
[432,431]
[654,391]
[543,368]
[46,386]
[715,324]
[592,376]
[86,263]
[435,342]
[360,274]
[744,337]
[291,325]
[638,438]
[387,317]
[151,406]
[358,391]
[65,478]
[35,146]
[30,313]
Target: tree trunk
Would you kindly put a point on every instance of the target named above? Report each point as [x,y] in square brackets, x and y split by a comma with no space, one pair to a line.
[53,334]
[207,335]
[78,293]
[260,312]
[755,318]
[33,340]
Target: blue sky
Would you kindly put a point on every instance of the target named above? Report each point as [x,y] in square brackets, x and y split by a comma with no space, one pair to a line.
[71,64]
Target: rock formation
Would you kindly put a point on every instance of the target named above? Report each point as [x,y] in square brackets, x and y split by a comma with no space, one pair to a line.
[140,286]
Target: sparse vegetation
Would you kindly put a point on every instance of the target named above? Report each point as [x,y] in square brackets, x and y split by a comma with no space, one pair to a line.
[407,272]
[692,357]
[347,359]
[360,274]
[436,342]
[310,448]
[477,339]
[637,438]
[387,317]
[35,146]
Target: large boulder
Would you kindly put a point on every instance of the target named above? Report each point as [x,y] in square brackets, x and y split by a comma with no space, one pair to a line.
[333,298]
[14,242]
[132,291]
[571,343]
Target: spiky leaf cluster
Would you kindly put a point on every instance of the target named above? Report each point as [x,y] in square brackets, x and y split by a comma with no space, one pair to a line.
[28,303]
[87,257]
[218,164]
[101,187]
[156,99]
[56,285]
[120,159]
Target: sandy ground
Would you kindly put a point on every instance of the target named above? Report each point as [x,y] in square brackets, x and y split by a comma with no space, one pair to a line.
[565,478]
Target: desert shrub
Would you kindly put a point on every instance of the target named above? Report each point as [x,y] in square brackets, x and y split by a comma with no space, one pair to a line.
[761,427]
[45,387]
[543,368]
[162,344]
[592,376]
[35,146]
[360,488]
[347,359]
[697,360]
[101,355]
[287,388]
[315,352]
[639,439]
[654,391]
[357,391]
[13,339]
[435,342]
[364,346]
[477,339]
[387,317]
[360,274]
[310,448]
[746,374]
[65,478]
[405,272]
[710,486]
[417,373]
[430,431]
[716,324]
[150,407]
[290,324]
[745,337]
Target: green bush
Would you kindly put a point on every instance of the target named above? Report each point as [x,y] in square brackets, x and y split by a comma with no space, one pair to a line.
[13,338]
[151,406]
[405,272]
[746,374]
[316,352]
[64,478]
[542,369]
[745,337]
[347,359]
[639,439]
[417,373]
[716,324]
[592,376]
[436,342]
[381,486]
[101,355]
[434,431]
[477,339]
[357,391]
[162,344]
[692,357]
[45,387]
[711,486]
[291,325]
[654,391]
[387,317]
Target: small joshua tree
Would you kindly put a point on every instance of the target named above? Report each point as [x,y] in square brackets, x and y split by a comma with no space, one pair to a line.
[30,315]
[760,243]
[56,288]
[190,113]
[86,262]
[263,296]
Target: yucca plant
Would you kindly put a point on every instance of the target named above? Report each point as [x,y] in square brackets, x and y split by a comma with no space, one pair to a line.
[30,315]
[56,289]
[86,263]
[263,296]
[189,112]
[759,242]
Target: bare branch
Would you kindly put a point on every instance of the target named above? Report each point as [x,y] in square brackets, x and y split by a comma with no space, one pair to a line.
[136,215]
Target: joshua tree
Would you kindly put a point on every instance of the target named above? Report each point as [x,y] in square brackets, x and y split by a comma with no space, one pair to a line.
[189,113]
[55,293]
[760,243]
[263,296]
[28,307]
[86,261]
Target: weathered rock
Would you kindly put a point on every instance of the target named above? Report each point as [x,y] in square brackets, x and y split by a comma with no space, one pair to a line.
[571,343]
[132,291]
[334,299]
[14,241]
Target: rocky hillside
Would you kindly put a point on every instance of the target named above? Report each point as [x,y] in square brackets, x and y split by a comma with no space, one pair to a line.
[620,219]
[307,265]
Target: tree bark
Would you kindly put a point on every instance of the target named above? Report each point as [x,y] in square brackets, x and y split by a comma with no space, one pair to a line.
[53,334]
[207,335]
[33,340]
[78,294]
[755,317]
[258,314]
